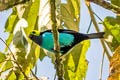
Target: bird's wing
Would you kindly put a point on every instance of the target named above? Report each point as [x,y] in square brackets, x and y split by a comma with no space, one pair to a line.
[62,31]
[66,31]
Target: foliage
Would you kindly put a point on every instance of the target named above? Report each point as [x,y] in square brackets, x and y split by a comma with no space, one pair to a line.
[75,65]
[36,15]
[113,29]
[114,70]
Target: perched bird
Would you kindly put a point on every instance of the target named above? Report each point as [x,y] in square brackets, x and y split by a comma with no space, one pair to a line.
[67,39]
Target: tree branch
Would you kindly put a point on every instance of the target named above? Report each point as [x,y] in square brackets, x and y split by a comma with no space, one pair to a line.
[97,29]
[6,4]
[58,65]
[107,5]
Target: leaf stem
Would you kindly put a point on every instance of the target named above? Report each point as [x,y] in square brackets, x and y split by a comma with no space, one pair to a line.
[89,26]
[101,67]
[34,75]
[97,28]
[12,55]
[58,65]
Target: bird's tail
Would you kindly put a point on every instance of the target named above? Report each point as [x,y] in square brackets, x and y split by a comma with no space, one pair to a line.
[96,35]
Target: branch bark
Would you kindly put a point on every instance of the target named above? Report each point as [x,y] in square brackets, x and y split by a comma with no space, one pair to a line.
[106,5]
[6,4]
[58,65]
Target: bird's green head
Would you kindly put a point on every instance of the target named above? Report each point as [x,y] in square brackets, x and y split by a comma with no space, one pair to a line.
[35,36]
[35,33]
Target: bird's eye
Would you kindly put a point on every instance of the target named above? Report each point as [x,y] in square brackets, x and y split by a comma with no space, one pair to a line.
[33,32]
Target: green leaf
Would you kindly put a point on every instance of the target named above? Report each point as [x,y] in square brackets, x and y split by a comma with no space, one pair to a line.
[42,54]
[71,14]
[4,65]
[20,47]
[113,29]
[30,15]
[9,26]
[75,65]
[2,56]
[33,55]
[19,75]
[12,76]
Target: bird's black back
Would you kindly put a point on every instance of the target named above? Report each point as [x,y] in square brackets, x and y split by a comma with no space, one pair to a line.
[78,37]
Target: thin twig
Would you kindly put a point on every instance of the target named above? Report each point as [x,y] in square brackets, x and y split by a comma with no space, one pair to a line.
[14,59]
[101,67]
[55,76]
[97,29]
[89,26]
[58,65]
[34,75]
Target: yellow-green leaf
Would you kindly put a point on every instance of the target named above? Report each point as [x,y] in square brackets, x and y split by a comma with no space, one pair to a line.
[113,29]
[75,65]
[42,54]
[114,68]
[71,14]
[9,26]
[30,15]
[4,65]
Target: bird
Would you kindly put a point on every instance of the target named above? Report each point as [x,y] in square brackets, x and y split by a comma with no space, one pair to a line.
[67,39]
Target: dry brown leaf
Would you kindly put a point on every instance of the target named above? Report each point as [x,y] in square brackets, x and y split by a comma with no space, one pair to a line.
[114,70]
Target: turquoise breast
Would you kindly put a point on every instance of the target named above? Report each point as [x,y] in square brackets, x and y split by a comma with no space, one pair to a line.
[64,40]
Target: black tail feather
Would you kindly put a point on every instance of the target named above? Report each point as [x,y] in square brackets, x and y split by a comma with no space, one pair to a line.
[96,35]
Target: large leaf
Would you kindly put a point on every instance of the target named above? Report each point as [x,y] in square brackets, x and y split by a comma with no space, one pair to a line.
[9,26]
[114,68]
[113,29]
[71,14]
[18,46]
[30,14]
[75,66]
